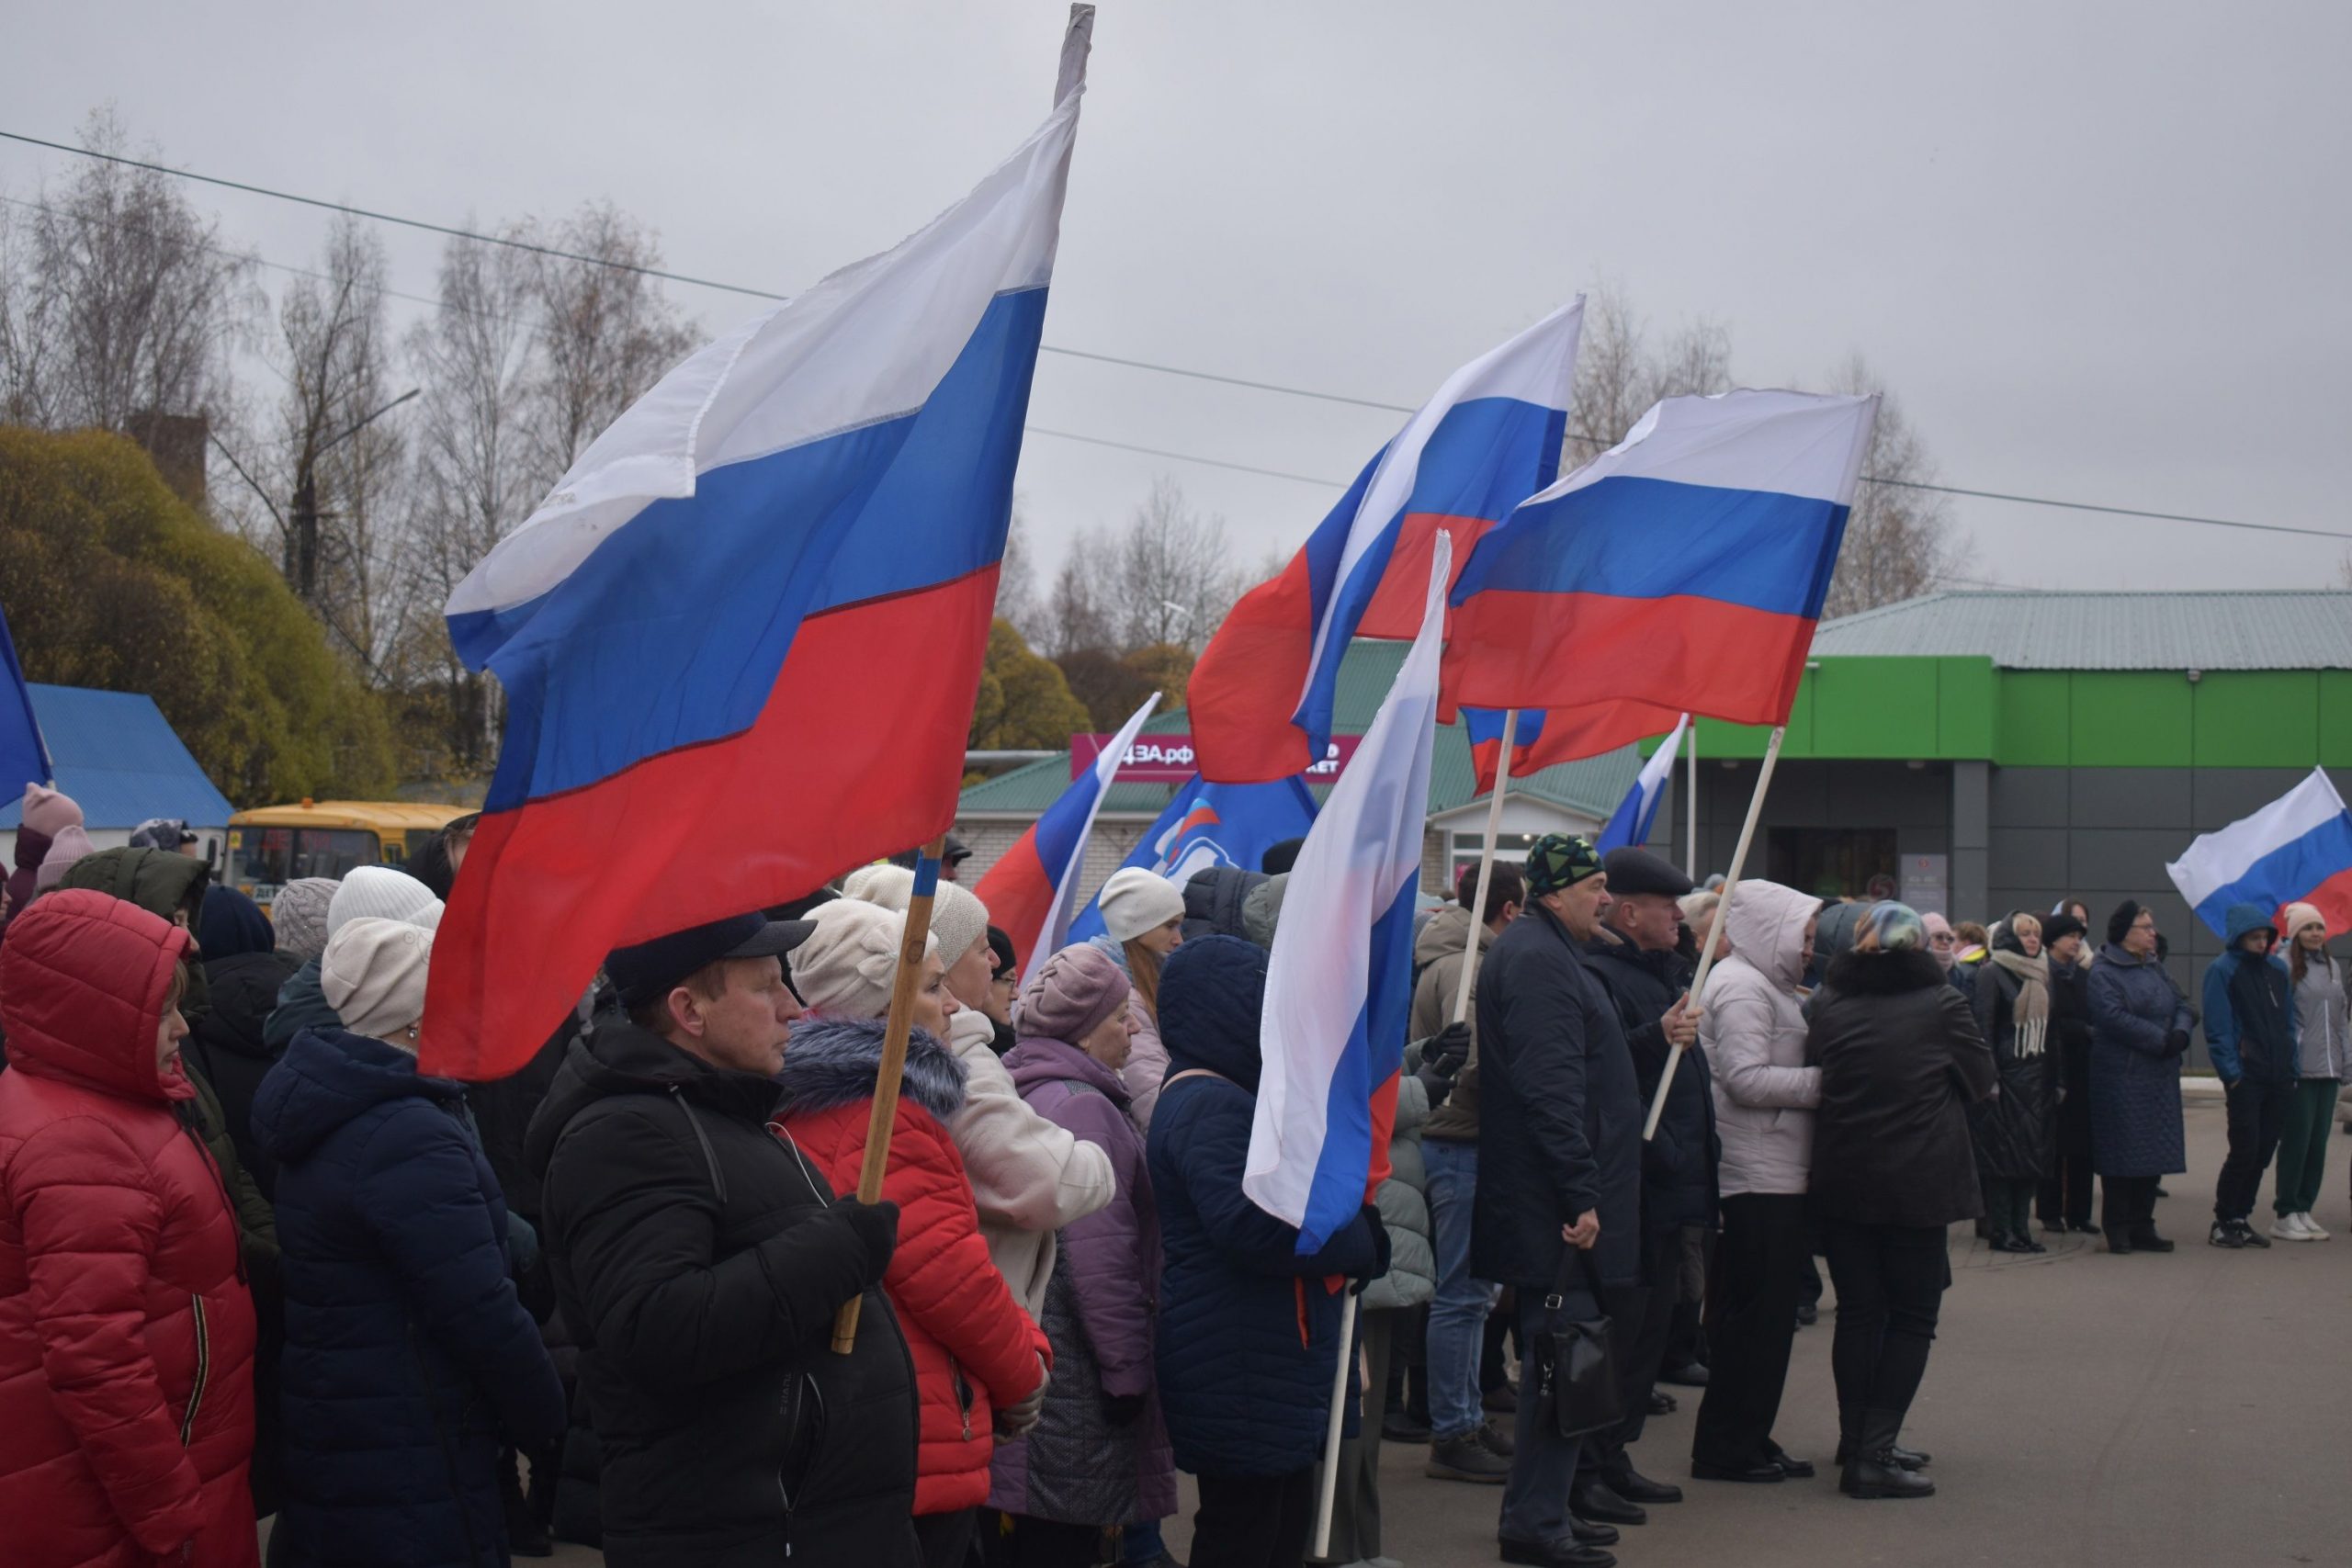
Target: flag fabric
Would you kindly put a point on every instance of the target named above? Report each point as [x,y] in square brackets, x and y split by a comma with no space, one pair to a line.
[1629,826]
[1209,825]
[2297,849]
[1683,569]
[1339,979]
[24,755]
[740,640]
[1263,693]
[1030,891]
[1547,736]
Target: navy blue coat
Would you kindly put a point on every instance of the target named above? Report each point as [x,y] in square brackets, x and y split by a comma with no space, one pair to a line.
[409,1359]
[2135,1070]
[1248,1329]
[1559,1113]
[1680,1167]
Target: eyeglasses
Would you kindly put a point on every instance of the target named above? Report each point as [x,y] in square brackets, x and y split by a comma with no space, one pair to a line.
[1944,939]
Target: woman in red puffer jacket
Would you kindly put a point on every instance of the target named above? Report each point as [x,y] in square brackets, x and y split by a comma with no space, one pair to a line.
[979,1359]
[126,1332]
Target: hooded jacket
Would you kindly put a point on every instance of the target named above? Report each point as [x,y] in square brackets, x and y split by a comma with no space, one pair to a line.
[1753,1027]
[2016,1132]
[975,1350]
[227,1047]
[2323,1043]
[2140,1024]
[698,1260]
[1439,952]
[1030,1178]
[1559,1114]
[126,1332]
[2250,1006]
[409,1359]
[1248,1329]
[1214,899]
[301,1004]
[1101,1312]
[1900,1060]
[1678,1164]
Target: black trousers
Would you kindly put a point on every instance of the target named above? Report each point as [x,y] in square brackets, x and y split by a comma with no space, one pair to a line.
[1641,1317]
[1254,1521]
[2257,1116]
[2010,1209]
[1890,1283]
[1762,1257]
[2128,1203]
[1049,1543]
[2066,1195]
[946,1539]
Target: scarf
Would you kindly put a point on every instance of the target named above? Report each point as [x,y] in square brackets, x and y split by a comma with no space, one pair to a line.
[2031,1012]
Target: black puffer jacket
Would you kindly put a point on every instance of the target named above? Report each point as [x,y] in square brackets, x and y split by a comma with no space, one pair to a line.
[1213,901]
[227,1046]
[1559,1113]
[699,1260]
[1900,1060]
[1678,1165]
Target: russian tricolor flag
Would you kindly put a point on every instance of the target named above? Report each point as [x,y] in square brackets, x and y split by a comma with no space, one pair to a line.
[1031,891]
[1339,979]
[1684,569]
[1629,826]
[742,639]
[1548,736]
[1261,695]
[2297,849]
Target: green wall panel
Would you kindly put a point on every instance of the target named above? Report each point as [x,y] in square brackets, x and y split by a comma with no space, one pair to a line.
[1873,707]
[2256,718]
[1965,712]
[2130,719]
[2034,728]
[2335,718]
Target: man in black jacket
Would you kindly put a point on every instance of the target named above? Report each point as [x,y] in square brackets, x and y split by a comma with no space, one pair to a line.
[1637,960]
[702,1259]
[1557,1212]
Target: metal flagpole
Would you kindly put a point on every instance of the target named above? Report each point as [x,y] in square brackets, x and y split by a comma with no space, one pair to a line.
[1486,865]
[1731,885]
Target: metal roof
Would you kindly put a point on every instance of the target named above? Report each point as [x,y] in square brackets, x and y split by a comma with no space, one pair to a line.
[1592,786]
[119,760]
[2031,629]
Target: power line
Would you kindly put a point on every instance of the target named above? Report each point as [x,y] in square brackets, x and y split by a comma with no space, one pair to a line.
[1145,364]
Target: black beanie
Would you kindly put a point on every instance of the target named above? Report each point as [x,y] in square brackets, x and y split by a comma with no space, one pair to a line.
[2056,928]
[2119,923]
[1000,944]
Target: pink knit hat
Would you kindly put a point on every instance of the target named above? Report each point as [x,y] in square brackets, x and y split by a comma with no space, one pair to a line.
[1070,994]
[2295,917]
[70,845]
[49,812]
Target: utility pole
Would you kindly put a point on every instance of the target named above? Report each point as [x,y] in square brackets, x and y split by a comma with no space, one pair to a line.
[302,537]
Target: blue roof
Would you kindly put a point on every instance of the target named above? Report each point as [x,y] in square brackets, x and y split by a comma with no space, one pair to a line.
[119,760]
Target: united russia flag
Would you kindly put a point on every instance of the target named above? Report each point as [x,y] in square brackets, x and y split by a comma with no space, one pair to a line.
[1339,978]
[1210,825]
[1263,693]
[2297,849]
[740,640]
[1682,570]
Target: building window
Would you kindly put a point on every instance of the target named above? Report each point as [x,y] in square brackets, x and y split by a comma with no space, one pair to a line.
[1834,862]
[1512,847]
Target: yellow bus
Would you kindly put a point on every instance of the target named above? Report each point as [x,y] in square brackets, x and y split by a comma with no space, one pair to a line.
[274,845]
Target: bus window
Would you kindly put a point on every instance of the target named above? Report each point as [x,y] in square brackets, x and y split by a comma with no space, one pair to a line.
[418,838]
[332,851]
[260,855]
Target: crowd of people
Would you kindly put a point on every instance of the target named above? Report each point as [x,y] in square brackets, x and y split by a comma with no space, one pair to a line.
[255,1265]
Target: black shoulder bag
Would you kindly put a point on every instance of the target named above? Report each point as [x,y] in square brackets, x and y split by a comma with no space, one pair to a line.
[1577,1363]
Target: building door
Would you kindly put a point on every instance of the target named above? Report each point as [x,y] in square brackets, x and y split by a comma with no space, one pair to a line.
[1834,862]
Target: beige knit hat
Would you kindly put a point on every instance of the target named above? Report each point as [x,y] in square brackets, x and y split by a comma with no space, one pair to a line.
[958,917]
[1136,900]
[373,974]
[2295,917]
[845,969]
[381,893]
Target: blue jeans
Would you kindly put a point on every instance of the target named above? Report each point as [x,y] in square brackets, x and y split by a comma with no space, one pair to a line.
[1458,1311]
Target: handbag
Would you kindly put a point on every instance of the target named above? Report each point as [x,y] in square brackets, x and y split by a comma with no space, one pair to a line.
[1577,1361]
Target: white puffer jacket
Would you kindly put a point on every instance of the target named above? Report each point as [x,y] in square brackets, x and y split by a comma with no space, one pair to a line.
[1752,1024]
[1030,1176]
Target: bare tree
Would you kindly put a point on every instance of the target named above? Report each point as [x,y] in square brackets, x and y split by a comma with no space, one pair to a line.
[1621,372]
[116,298]
[1170,573]
[1016,581]
[1899,539]
[1074,616]
[606,331]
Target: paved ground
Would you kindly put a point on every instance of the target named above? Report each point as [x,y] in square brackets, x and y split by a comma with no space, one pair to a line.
[2094,1412]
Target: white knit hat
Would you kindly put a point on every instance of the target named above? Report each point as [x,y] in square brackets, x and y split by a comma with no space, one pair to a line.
[380,893]
[845,969]
[958,917]
[373,974]
[2295,917]
[1135,901]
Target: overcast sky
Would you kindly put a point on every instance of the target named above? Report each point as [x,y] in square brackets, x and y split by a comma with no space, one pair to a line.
[2100,251]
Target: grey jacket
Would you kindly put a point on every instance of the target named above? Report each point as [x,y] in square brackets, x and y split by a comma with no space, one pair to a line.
[1752,1022]
[2326,1040]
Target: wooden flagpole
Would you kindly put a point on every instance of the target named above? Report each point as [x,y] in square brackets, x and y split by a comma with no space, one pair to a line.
[1690,812]
[1731,885]
[886,1078]
[1486,868]
[1339,1418]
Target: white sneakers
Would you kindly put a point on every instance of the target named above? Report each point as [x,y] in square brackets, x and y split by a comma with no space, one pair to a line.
[2297,1227]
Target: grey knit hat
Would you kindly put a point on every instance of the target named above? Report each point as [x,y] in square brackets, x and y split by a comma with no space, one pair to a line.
[300,915]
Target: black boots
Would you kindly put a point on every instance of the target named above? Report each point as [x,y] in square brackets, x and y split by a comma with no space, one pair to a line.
[1873,1469]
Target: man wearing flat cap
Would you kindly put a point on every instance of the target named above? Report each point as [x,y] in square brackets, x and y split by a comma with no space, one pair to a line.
[700,1260]
[1558,1206]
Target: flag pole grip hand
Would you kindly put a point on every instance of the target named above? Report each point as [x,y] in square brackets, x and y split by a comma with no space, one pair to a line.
[893,1068]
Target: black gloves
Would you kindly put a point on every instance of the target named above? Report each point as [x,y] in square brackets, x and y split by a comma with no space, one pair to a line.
[2176,1042]
[1447,1049]
[1379,1243]
[875,1226]
[1121,1409]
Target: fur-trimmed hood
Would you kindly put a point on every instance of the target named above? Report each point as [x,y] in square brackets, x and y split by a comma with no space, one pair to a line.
[832,1062]
[1884,973]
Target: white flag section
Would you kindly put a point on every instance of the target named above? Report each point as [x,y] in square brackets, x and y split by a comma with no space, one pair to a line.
[1339,979]
[1065,841]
